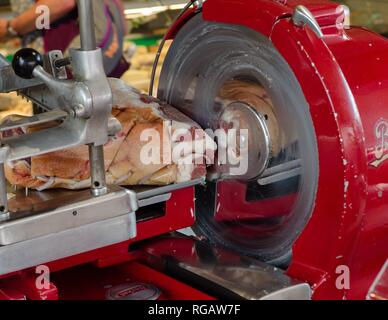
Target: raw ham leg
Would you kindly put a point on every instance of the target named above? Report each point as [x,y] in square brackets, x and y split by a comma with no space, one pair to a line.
[139,115]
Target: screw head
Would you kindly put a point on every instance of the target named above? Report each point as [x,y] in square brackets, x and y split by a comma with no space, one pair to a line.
[80,111]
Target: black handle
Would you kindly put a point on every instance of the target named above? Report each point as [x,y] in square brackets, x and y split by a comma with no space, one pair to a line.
[25,61]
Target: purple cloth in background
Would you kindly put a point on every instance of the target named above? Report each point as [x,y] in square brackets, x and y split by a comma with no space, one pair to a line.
[120,69]
[61,34]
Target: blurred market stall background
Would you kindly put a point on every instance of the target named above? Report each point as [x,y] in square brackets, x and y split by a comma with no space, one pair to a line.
[148,21]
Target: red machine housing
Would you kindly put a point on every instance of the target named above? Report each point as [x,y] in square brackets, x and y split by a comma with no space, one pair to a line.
[344,77]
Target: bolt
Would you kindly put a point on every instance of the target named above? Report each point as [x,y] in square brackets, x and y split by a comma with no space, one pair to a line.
[80,111]
[72,113]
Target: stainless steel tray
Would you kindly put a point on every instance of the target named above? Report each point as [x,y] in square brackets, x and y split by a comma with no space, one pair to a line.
[50,225]
[42,213]
[67,243]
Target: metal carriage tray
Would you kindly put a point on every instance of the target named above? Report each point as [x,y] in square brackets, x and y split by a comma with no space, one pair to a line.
[42,213]
[50,225]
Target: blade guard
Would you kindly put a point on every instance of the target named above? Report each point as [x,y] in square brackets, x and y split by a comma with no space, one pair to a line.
[345,133]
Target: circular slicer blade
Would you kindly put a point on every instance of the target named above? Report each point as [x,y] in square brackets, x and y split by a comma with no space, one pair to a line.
[211,67]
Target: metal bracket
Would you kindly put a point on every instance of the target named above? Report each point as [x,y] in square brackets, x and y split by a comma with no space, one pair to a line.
[303,16]
[347,16]
[154,200]
[51,60]
[281,172]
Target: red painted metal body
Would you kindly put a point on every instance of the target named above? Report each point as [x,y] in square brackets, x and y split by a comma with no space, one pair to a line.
[344,76]
[379,289]
[87,282]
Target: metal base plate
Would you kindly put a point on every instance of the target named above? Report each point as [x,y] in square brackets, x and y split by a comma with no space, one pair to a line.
[222,273]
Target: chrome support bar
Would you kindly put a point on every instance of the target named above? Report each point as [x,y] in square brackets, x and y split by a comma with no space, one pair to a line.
[88,37]
[97,170]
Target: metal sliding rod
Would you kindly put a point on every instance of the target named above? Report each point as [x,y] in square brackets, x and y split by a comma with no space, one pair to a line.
[86,18]
[88,43]
[97,170]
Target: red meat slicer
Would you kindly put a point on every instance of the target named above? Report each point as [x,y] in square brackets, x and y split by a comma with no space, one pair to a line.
[310,217]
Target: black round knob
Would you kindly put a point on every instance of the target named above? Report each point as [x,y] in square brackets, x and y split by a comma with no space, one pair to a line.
[25,61]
